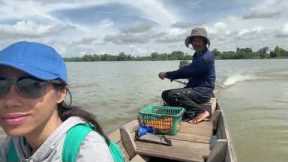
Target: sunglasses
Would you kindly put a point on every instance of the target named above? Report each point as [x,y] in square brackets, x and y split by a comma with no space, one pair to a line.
[26,86]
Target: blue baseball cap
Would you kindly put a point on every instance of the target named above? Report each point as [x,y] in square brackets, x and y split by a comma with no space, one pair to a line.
[36,59]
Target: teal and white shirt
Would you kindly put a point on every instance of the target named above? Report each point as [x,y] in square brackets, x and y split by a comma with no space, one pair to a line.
[93,148]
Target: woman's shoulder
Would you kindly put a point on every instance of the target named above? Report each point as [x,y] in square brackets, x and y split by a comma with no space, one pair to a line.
[94,148]
[94,137]
[4,143]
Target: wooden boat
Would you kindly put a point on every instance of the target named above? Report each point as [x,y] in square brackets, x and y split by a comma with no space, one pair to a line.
[208,141]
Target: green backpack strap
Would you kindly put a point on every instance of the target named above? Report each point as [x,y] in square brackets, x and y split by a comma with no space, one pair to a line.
[73,139]
[71,147]
[116,152]
[12,155]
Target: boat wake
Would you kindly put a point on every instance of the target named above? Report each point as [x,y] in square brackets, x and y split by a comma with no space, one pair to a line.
[236,78]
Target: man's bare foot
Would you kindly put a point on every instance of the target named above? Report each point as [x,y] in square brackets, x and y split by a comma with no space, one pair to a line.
[200,117]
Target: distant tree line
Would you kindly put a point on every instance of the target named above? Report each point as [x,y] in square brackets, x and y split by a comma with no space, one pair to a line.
[240,53]
[155,56]
[248,53]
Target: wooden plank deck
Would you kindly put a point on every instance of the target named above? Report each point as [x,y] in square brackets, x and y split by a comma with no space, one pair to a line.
[201,132]
[191,144]
[181,150]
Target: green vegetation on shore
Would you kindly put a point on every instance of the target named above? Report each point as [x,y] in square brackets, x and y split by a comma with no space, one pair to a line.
[240,53]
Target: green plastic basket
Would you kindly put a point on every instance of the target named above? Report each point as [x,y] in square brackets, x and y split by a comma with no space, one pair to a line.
[164,119]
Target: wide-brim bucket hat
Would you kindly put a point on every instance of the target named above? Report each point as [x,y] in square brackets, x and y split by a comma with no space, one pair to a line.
[197,32]
[36,59]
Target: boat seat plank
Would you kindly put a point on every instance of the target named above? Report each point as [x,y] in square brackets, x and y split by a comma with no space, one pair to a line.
[190,144]
[203,128]
[201,132]
[190,138]
[181,150]
[128,142]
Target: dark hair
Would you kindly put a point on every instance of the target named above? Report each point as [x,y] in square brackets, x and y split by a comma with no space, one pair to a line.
[67,110]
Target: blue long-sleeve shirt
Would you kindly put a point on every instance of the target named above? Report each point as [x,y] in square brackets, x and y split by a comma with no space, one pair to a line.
[201,72]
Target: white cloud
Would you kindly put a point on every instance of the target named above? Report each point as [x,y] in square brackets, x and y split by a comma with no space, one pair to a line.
[173,35]
[139,28]
[29,29]
[219,28]
[248,31]
[163,30]
[155,11]
[285,28]
[282,32]
[268,9]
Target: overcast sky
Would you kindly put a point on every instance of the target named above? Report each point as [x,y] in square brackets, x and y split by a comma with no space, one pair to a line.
[139,27]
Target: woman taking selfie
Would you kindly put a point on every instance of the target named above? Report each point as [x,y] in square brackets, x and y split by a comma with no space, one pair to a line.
[34,115]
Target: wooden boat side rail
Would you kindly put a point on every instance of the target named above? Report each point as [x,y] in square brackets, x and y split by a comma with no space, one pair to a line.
[218,152]
[223,144]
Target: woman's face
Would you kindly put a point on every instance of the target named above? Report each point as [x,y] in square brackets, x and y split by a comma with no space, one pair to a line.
[21,115]
[198,44]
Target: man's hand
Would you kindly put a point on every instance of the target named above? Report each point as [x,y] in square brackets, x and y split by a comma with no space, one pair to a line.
[162,75]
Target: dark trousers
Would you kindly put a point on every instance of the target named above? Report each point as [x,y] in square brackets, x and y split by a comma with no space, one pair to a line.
[188,98]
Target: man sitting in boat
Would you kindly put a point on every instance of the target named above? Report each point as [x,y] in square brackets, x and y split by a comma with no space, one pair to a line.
[201,75]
